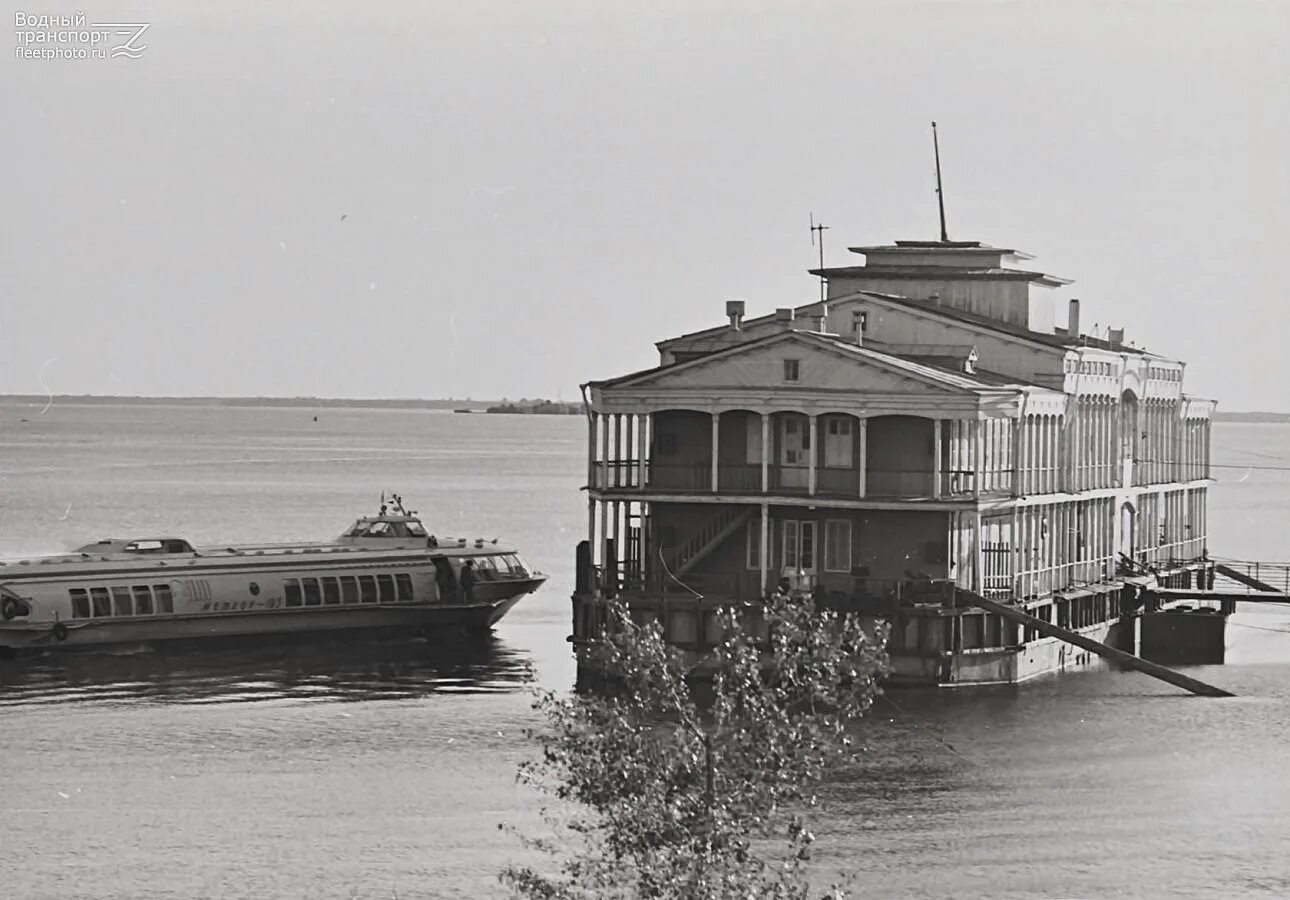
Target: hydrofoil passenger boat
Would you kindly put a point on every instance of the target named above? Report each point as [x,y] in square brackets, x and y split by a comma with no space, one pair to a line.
[385,576]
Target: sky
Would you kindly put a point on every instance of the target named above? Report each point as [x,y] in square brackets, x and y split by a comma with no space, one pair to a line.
[494,198]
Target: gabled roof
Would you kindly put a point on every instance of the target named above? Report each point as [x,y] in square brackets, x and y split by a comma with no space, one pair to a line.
[1058,341]
[944,377]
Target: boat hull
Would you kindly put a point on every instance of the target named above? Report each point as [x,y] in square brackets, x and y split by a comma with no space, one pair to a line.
[403,620]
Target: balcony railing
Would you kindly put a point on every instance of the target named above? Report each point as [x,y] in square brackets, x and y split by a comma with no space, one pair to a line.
[740,478]
[681,477]
[843,482]
[746,478]
[907,483]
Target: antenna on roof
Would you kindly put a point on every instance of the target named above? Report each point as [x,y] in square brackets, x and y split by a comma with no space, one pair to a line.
[940,194]
[821,229]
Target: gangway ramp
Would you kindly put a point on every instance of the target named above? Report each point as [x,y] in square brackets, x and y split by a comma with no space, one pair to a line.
[1128,660]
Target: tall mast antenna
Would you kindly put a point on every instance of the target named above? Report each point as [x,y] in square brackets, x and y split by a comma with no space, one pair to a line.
[821,229]
[940,194]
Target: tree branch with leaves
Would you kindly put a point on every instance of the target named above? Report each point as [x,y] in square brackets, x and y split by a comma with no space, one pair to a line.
[668,795]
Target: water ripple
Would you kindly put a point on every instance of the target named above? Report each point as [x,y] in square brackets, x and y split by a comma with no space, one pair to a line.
[328,673]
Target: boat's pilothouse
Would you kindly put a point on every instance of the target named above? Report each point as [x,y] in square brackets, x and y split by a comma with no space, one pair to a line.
[385,573]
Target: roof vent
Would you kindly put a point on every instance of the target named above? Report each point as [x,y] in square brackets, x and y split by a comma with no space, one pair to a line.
[735,312]
[936,298]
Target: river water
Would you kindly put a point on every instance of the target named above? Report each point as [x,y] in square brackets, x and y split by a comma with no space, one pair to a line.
[384,771]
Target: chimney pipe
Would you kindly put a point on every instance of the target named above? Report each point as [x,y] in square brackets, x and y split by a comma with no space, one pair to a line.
[1072,321]
[784,317]
[735,310]
[1115,337]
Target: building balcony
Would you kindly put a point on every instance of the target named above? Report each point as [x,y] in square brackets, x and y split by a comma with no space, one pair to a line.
[830,481]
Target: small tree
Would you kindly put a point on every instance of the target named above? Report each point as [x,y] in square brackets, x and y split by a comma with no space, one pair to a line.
[673,798]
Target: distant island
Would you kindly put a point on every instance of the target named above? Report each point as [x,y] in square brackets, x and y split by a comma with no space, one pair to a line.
[537,408]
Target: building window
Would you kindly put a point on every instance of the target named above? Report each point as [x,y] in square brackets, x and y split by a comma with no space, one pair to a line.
[837,442]
[791,369]
[859,322]
[837,545]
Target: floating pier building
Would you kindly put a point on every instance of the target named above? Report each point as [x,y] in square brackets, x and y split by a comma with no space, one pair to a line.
[922,436]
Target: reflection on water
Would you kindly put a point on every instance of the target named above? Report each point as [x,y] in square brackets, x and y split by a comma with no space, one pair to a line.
[233,673]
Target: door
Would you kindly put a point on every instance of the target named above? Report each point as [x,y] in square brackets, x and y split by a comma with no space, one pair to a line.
[794,450]
[1128,524]
[799,553]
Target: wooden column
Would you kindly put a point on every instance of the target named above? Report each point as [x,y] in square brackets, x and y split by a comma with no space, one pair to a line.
[629,467]
[765,453]
[604,452]
[716,452]
[978,456]
[642,450]
[763,555]
[862,438]
[936,458]
[813,459]
[593,422]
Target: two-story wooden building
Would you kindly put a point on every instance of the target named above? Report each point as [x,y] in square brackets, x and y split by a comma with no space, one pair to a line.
[920,433]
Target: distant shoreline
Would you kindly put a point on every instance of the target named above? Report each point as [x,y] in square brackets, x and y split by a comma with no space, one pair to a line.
[1267,418]
[280,402]
[1256,417]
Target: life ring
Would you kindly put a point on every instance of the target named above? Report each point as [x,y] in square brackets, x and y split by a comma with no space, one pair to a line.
[9,609]
[60,631]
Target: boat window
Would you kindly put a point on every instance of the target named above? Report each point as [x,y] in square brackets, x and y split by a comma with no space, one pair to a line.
[331,591]
[165,604]
[99,600]
[516,565]
[416,529]
[404,583]
[358,530]
[142,600]
[348,589]
[143,547]
[176,546]
[378,529]
[368,586]
[485,568]
[122,602]
[292,588]
[312,596]
[80,603]
[386,583]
